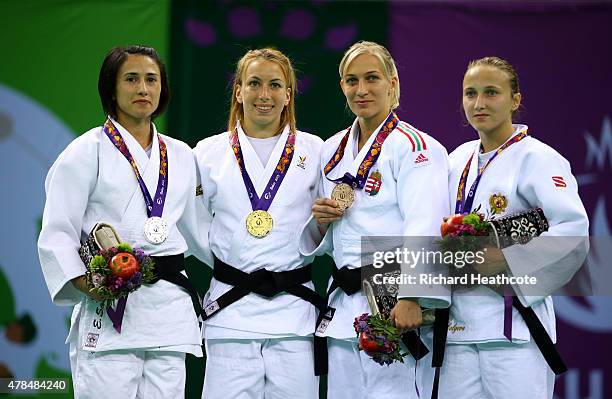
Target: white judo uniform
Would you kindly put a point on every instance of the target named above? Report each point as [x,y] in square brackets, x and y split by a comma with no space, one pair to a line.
[92,182]
[259,347]
[411,201]
[479,361]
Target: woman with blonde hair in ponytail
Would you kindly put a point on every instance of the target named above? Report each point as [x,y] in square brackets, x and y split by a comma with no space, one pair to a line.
[258,181]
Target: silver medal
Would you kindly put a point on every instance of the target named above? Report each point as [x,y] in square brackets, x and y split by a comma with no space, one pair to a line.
[156,230]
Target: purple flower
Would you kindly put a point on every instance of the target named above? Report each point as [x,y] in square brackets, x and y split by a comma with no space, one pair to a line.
[136,279]
[139,254]
[466,230]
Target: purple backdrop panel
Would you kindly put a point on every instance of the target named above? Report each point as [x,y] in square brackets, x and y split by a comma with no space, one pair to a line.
[562,54]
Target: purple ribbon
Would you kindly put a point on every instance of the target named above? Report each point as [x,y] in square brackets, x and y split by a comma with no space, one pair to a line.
[155,206]
[357,182]
[464,205]
[263,203]
[508,315]
[116,315]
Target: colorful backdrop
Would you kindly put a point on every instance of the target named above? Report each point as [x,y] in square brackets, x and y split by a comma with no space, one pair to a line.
[51,52]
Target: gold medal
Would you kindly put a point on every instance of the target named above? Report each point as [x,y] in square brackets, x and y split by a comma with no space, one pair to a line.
[344,195]
[259,223]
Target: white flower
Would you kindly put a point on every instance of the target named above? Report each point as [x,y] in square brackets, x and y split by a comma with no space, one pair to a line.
[97,280]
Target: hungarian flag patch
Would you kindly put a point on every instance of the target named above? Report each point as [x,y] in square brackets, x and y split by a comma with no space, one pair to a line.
[372,186]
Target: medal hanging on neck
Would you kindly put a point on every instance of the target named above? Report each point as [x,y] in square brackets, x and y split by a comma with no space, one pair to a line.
[344,191]
[156,229]
[464,204]
[259,222]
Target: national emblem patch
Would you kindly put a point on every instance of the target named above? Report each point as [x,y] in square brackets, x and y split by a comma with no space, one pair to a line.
[373,184]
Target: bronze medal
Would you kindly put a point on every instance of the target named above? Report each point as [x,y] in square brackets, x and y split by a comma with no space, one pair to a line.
[259,223]
[344,195]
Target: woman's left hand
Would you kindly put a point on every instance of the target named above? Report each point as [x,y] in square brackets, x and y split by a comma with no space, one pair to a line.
[406,314]
[494,262]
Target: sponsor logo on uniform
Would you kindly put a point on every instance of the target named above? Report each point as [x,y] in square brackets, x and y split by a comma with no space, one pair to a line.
[498,203]
[559,181]
[92,340]
[373,184]
[199,190]
[211,308]
[453,327]
[301,162]
[421,158]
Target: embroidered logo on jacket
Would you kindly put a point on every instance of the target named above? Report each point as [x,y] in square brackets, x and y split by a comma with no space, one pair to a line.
[373,184]
[199,190]
[421,158]
[92,340]
[301,162]
[498,203]
[559,181]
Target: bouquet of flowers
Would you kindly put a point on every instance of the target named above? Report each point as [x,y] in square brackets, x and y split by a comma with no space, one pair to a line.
[379,338]
[116,271]
[464,232]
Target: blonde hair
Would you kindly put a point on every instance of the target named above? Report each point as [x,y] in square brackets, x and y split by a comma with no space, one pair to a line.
[383,55]
[268,54]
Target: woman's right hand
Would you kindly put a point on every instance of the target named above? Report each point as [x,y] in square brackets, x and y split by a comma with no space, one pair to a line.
[80,283]
[326,211]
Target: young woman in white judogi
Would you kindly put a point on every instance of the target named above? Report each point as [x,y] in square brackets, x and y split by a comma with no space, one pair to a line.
[259,179]
[483,359]
[405,194]
[92,182]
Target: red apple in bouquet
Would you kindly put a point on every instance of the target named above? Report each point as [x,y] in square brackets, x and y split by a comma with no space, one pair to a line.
[450,224]
[368,344]
[124,265]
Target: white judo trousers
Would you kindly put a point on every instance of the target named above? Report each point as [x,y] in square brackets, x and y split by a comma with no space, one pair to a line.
[277,368]
[367,379]
[127,374]
[460,377]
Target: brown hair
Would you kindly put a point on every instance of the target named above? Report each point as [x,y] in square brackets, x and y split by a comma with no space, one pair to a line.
[268,54]
[107,80]
[383,55]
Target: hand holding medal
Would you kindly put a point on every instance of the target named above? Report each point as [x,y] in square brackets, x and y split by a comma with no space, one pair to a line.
[326,211]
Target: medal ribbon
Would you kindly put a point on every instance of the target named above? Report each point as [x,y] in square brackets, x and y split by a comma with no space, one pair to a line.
[464,205]
[155,207]
[263,203]
[357,182]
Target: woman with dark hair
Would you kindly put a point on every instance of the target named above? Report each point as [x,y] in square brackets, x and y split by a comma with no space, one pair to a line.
[502,346]
[126,174]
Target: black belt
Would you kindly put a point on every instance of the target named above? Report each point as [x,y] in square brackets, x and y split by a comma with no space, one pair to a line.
[350,281]
[534,325]
[169,268]
[262,282]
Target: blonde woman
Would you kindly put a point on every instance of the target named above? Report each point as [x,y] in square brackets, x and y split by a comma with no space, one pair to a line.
[259,179]
[396,177]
